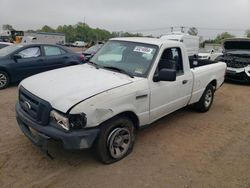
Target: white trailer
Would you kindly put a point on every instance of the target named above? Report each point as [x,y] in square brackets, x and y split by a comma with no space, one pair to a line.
[43,37]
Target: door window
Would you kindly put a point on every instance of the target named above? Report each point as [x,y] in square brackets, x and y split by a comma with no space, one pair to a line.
[30,52]
[52,51]
[171,58]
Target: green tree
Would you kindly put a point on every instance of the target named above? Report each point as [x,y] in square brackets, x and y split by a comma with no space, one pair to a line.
[222,37]
[83,32]
[47,29]
[193,31]
[30,31]
[7,27]
[248,33]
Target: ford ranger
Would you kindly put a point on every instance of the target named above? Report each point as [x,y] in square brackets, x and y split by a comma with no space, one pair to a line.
[127,84]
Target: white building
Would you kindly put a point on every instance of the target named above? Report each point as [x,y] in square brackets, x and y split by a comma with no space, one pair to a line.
[44,37]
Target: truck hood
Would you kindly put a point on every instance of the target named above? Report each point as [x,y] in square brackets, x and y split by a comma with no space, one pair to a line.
[240,44]
[65,87]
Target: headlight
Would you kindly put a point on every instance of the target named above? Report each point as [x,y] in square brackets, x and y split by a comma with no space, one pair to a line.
[72,121]
[60,119]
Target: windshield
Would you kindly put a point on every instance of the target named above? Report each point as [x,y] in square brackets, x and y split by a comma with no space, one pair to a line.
[133,58]
[93,49]
[9,49]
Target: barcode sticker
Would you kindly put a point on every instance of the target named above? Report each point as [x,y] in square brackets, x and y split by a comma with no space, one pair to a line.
[144,50]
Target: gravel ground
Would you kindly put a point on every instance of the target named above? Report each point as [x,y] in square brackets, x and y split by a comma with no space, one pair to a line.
[185,149]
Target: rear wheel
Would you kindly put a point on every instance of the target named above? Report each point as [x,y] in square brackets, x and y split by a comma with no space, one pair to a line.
[206,100]
[116,140]
[4,80]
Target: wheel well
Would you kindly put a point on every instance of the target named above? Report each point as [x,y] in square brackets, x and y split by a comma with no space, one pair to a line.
[130,115]
[4,70]
[214,84]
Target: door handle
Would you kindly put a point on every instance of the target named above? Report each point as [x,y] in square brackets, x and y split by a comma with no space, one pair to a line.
[184,81]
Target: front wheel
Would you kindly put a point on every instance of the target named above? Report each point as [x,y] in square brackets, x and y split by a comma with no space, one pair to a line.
[116,140]
[206,99]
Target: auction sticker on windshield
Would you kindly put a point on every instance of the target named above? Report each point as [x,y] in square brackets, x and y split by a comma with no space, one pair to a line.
[143,49]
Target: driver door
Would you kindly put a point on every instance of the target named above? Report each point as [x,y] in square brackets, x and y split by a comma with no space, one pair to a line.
[168,96]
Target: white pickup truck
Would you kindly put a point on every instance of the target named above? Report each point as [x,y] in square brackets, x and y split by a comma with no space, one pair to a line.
[129,83]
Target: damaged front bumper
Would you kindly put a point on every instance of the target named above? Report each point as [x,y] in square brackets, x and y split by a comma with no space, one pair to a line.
[238,74]
[40,135]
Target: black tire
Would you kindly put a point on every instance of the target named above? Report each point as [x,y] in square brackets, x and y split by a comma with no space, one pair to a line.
[206,100]
[114,133]
[4,80]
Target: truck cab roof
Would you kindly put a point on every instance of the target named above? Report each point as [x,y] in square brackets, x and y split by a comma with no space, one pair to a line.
[147,40]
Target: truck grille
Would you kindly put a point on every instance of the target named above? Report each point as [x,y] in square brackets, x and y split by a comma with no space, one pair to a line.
[236,64]
[35,108]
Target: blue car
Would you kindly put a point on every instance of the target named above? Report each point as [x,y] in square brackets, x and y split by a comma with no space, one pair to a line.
[21,61]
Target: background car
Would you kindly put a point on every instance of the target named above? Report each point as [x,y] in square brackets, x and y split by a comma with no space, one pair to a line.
[20,61]
[4,44]
[236,55]
[212,55]
[79,44]
[90,52]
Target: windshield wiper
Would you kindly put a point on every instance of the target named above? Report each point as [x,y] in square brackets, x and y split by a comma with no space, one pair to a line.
[94,64]
[119,70]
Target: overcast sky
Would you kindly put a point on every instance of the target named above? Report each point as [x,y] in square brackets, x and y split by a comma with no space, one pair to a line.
[148,17]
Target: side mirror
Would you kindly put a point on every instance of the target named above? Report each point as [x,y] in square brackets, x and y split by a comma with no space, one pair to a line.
[17,56]
[165,75]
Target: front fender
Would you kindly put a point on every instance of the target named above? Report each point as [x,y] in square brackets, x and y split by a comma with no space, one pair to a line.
[98,112]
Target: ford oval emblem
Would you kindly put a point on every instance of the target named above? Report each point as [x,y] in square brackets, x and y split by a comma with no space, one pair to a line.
[27,105]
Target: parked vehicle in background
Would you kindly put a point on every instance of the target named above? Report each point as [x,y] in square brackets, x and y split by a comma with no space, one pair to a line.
[212,55]
[129,83]
[12,36]
[4,44]
[90,52]
[236,54]
[191,42]
[20,61]
[79,44]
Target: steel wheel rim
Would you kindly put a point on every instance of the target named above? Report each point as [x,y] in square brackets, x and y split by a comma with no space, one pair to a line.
[208,98]
[118,142]
[3,80]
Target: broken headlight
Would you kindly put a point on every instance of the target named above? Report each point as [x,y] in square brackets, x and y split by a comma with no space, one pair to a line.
[77,121]
[67,122]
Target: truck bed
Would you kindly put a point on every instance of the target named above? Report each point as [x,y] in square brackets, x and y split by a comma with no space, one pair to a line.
[194,62]
[206,72]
